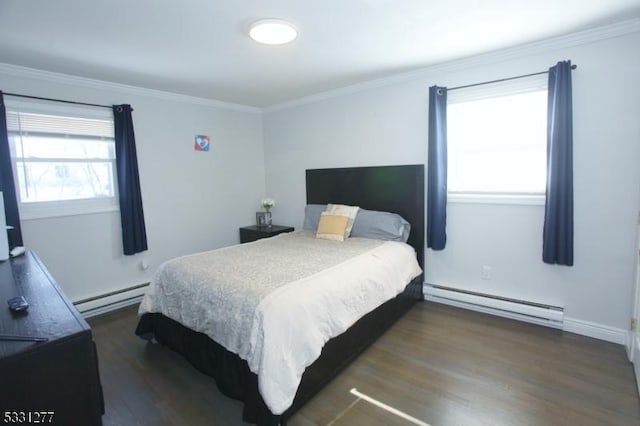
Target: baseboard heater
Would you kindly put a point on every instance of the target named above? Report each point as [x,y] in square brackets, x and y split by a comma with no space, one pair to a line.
[551,316]
[111,301]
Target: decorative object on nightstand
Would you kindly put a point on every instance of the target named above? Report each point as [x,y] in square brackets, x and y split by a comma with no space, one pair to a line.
[264,218]
[253,233]
[261,219]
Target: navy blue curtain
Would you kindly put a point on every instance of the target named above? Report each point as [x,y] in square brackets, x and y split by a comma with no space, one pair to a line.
[134,235]
[437,169]
[557,247]
[7,185]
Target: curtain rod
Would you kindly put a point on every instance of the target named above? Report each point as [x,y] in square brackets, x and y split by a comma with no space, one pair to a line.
[57,100]
[573,67]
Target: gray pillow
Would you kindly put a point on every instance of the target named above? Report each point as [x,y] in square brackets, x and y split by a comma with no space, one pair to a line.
[368,223]
[381,226]
[312,214]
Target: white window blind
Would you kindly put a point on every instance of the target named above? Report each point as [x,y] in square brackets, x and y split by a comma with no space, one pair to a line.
[63,164]
[23,122]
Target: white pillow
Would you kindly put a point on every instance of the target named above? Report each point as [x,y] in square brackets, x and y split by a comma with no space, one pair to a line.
[342,210]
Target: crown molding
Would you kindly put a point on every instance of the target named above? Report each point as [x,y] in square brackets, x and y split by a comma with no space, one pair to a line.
[570,40]
[592,35]
[19,71]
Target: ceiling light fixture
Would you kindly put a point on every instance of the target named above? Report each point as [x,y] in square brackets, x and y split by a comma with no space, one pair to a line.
[272,31]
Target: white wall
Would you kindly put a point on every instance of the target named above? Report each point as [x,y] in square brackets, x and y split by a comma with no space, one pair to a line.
[386,123]
[193,201]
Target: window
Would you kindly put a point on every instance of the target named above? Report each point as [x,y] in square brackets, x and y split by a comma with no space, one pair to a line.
[496,141]
[63,164]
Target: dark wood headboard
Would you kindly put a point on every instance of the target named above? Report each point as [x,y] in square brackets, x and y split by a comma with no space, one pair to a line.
[397,189]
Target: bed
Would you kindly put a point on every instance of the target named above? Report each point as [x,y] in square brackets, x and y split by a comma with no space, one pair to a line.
[397,189]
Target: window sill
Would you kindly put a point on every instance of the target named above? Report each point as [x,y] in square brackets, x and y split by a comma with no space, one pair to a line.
[45,210]
[512,199]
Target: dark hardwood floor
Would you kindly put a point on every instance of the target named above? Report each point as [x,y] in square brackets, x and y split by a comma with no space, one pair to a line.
[438,364]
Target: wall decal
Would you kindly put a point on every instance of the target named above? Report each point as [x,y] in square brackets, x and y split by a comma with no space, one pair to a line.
[202,143]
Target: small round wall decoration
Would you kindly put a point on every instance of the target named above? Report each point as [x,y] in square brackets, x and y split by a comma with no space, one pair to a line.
[202,143]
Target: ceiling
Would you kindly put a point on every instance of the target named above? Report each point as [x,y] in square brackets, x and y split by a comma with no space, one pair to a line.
[201,47]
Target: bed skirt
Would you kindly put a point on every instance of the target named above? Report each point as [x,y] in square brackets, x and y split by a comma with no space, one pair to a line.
[232,374]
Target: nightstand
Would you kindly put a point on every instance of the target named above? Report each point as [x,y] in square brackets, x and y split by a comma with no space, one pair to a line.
[253,233]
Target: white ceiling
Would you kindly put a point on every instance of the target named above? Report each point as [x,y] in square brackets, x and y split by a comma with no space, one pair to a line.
[200,47]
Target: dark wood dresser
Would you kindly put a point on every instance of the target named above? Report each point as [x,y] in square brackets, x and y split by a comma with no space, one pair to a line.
[55,381]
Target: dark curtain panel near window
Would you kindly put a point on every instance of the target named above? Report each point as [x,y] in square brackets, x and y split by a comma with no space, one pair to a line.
[557,247]
[134,235]
[7,185]
[437,169]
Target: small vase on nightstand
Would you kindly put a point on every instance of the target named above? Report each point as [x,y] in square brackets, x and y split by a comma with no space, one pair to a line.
[267,204]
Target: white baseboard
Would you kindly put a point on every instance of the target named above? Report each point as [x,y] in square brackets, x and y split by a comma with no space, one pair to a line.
[635,341]
[597,331]
[111,301]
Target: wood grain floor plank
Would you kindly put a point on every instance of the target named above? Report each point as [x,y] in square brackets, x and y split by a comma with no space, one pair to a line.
[438,364]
